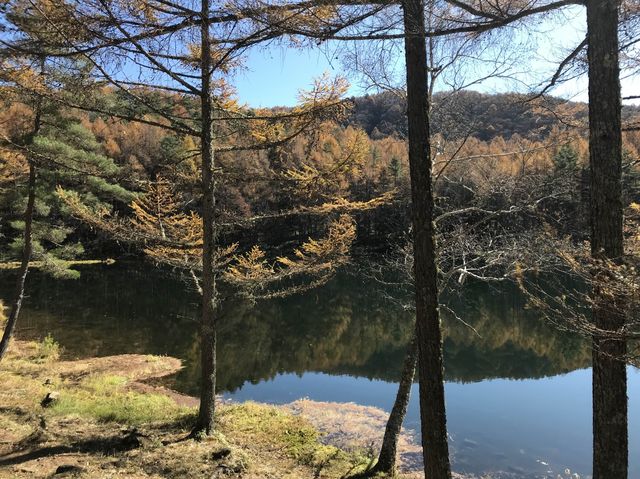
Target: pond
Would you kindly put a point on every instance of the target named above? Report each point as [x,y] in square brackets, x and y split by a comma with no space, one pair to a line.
[518,391]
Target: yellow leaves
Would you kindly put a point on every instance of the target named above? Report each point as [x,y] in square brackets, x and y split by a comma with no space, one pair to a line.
[169,235]
[327,251]
[265,131]
[23,75]
[194,52]
[159,213]
[321,102]
[355,153]
[334,166]
[222,62]
[225,95]
[174,236]
[251,266]
[308,16]
[324,91]
[344,205]
[95,217]
[316,260]
[305,176]
[147,10]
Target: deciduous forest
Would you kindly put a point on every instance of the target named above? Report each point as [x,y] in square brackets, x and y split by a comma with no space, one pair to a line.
[427,265]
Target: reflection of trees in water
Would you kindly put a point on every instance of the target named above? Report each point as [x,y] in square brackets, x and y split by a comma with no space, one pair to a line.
[343,328]
[109,310]
[514,343]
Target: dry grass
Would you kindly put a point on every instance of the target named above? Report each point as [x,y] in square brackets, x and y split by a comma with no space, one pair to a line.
[39,264]
[102,426]
[359,429]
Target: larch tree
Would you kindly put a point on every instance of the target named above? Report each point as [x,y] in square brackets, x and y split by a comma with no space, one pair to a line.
[150,51]
[428,332]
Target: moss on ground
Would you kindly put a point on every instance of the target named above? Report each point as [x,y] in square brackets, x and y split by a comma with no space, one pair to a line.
[100,426]
[279,431]
[106,398]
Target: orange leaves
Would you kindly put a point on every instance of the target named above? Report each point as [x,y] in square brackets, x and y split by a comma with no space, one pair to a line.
[338,161]
[13,167]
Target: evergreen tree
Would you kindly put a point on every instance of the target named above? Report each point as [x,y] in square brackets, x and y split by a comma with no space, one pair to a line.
[68,155]
[52,148]
[565,159]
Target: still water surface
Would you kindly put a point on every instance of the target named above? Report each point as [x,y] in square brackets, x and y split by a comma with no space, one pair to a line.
[518,391]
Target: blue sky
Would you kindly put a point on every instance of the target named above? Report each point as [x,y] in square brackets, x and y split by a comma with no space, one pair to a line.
[274,75]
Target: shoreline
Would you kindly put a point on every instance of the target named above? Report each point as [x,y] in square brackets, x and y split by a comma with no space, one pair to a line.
[119,401]
[99,417]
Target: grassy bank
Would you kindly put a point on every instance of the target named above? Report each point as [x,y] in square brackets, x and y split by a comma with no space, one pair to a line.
[98,422]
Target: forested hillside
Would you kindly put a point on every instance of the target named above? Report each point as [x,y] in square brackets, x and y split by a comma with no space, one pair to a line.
[361,156]
[124,136]
[481,115]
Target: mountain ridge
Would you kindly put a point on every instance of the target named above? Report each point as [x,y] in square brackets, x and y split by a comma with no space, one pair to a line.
[482,115]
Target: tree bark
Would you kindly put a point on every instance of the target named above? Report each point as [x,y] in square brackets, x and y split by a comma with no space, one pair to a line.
[430,364]
[24,265]
[610,435]
[27,246]
[388,451]
[206,414]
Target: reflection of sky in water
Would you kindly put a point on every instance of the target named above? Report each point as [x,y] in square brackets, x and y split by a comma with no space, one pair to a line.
[509,425]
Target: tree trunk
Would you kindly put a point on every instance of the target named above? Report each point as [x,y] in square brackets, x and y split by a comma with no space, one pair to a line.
[610,436]
[24,265]
[205,422]
[27,247]
[430,364]
[387,459]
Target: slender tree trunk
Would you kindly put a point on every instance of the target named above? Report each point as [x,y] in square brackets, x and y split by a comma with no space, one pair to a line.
[387,459]
[610,436]
[205,423]
[430,364]
[24,265]
[27,246]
